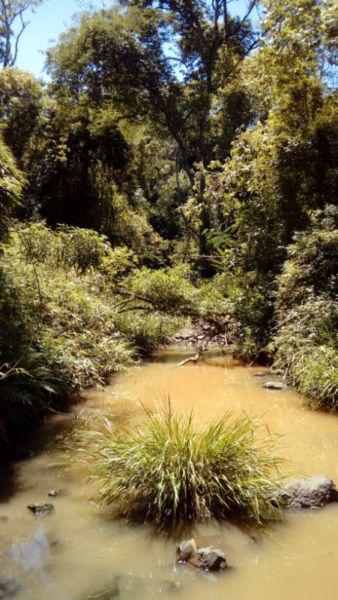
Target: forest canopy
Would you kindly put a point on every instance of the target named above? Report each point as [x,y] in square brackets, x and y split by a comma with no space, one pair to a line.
[180,162]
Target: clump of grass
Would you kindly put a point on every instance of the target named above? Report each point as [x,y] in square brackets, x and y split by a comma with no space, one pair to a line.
[165,471]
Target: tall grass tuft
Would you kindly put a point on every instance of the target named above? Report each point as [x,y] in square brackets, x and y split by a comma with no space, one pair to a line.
[165,471]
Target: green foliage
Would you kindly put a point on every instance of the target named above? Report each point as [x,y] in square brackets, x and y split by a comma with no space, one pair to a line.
[60,298]
[164,470]
[11,184]
[307,308]
[118,263]
[27,388]
[167,290]
[311,268]
[20,105]
[148,331]
[64,306]
[307,350]
[164,149]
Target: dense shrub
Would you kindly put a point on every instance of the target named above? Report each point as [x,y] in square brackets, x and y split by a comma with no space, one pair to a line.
[60,298]
[311,268]
[168,290]
[164,471]
[307,350]
[146,332]
[307,345]
[11,183]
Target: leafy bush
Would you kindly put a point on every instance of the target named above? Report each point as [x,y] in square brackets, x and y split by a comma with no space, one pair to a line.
[307,350]
[167,290]
[311,268]
[146,332]
[11,183]
[66,312]
[27,389]
[118,263]
[165,471]
[307,346]
[61,291]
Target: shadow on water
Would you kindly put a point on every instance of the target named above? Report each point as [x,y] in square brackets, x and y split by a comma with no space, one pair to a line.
[8,482]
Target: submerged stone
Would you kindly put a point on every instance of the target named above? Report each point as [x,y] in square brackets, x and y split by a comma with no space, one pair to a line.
[207,559]
[105,594]
[312,492]
[275,385]
[124,586]
[170,586]
[40,510]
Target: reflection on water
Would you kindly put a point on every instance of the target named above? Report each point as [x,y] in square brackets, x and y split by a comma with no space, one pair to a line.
[31,554]
[76,553]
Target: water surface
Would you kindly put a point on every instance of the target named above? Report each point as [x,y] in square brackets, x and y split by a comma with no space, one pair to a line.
[75,553]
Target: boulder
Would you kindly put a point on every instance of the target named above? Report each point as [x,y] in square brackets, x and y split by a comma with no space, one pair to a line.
[275,385]
[207,559]
[311,492]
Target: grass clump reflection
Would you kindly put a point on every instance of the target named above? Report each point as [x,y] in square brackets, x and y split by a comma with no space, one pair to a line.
[164,470]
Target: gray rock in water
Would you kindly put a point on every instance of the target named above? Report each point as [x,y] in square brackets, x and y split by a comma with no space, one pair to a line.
[186,550]
[275,385]
[212,559]
[40,510]
[208,559]
[311,492]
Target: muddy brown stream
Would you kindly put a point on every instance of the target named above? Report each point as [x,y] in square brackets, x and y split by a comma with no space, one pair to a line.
[76,552]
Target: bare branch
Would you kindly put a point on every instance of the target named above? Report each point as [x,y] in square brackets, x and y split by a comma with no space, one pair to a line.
[10,12]
[251,6]
[18,37]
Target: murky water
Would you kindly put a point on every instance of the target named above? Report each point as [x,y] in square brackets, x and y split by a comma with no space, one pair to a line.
[76,553]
